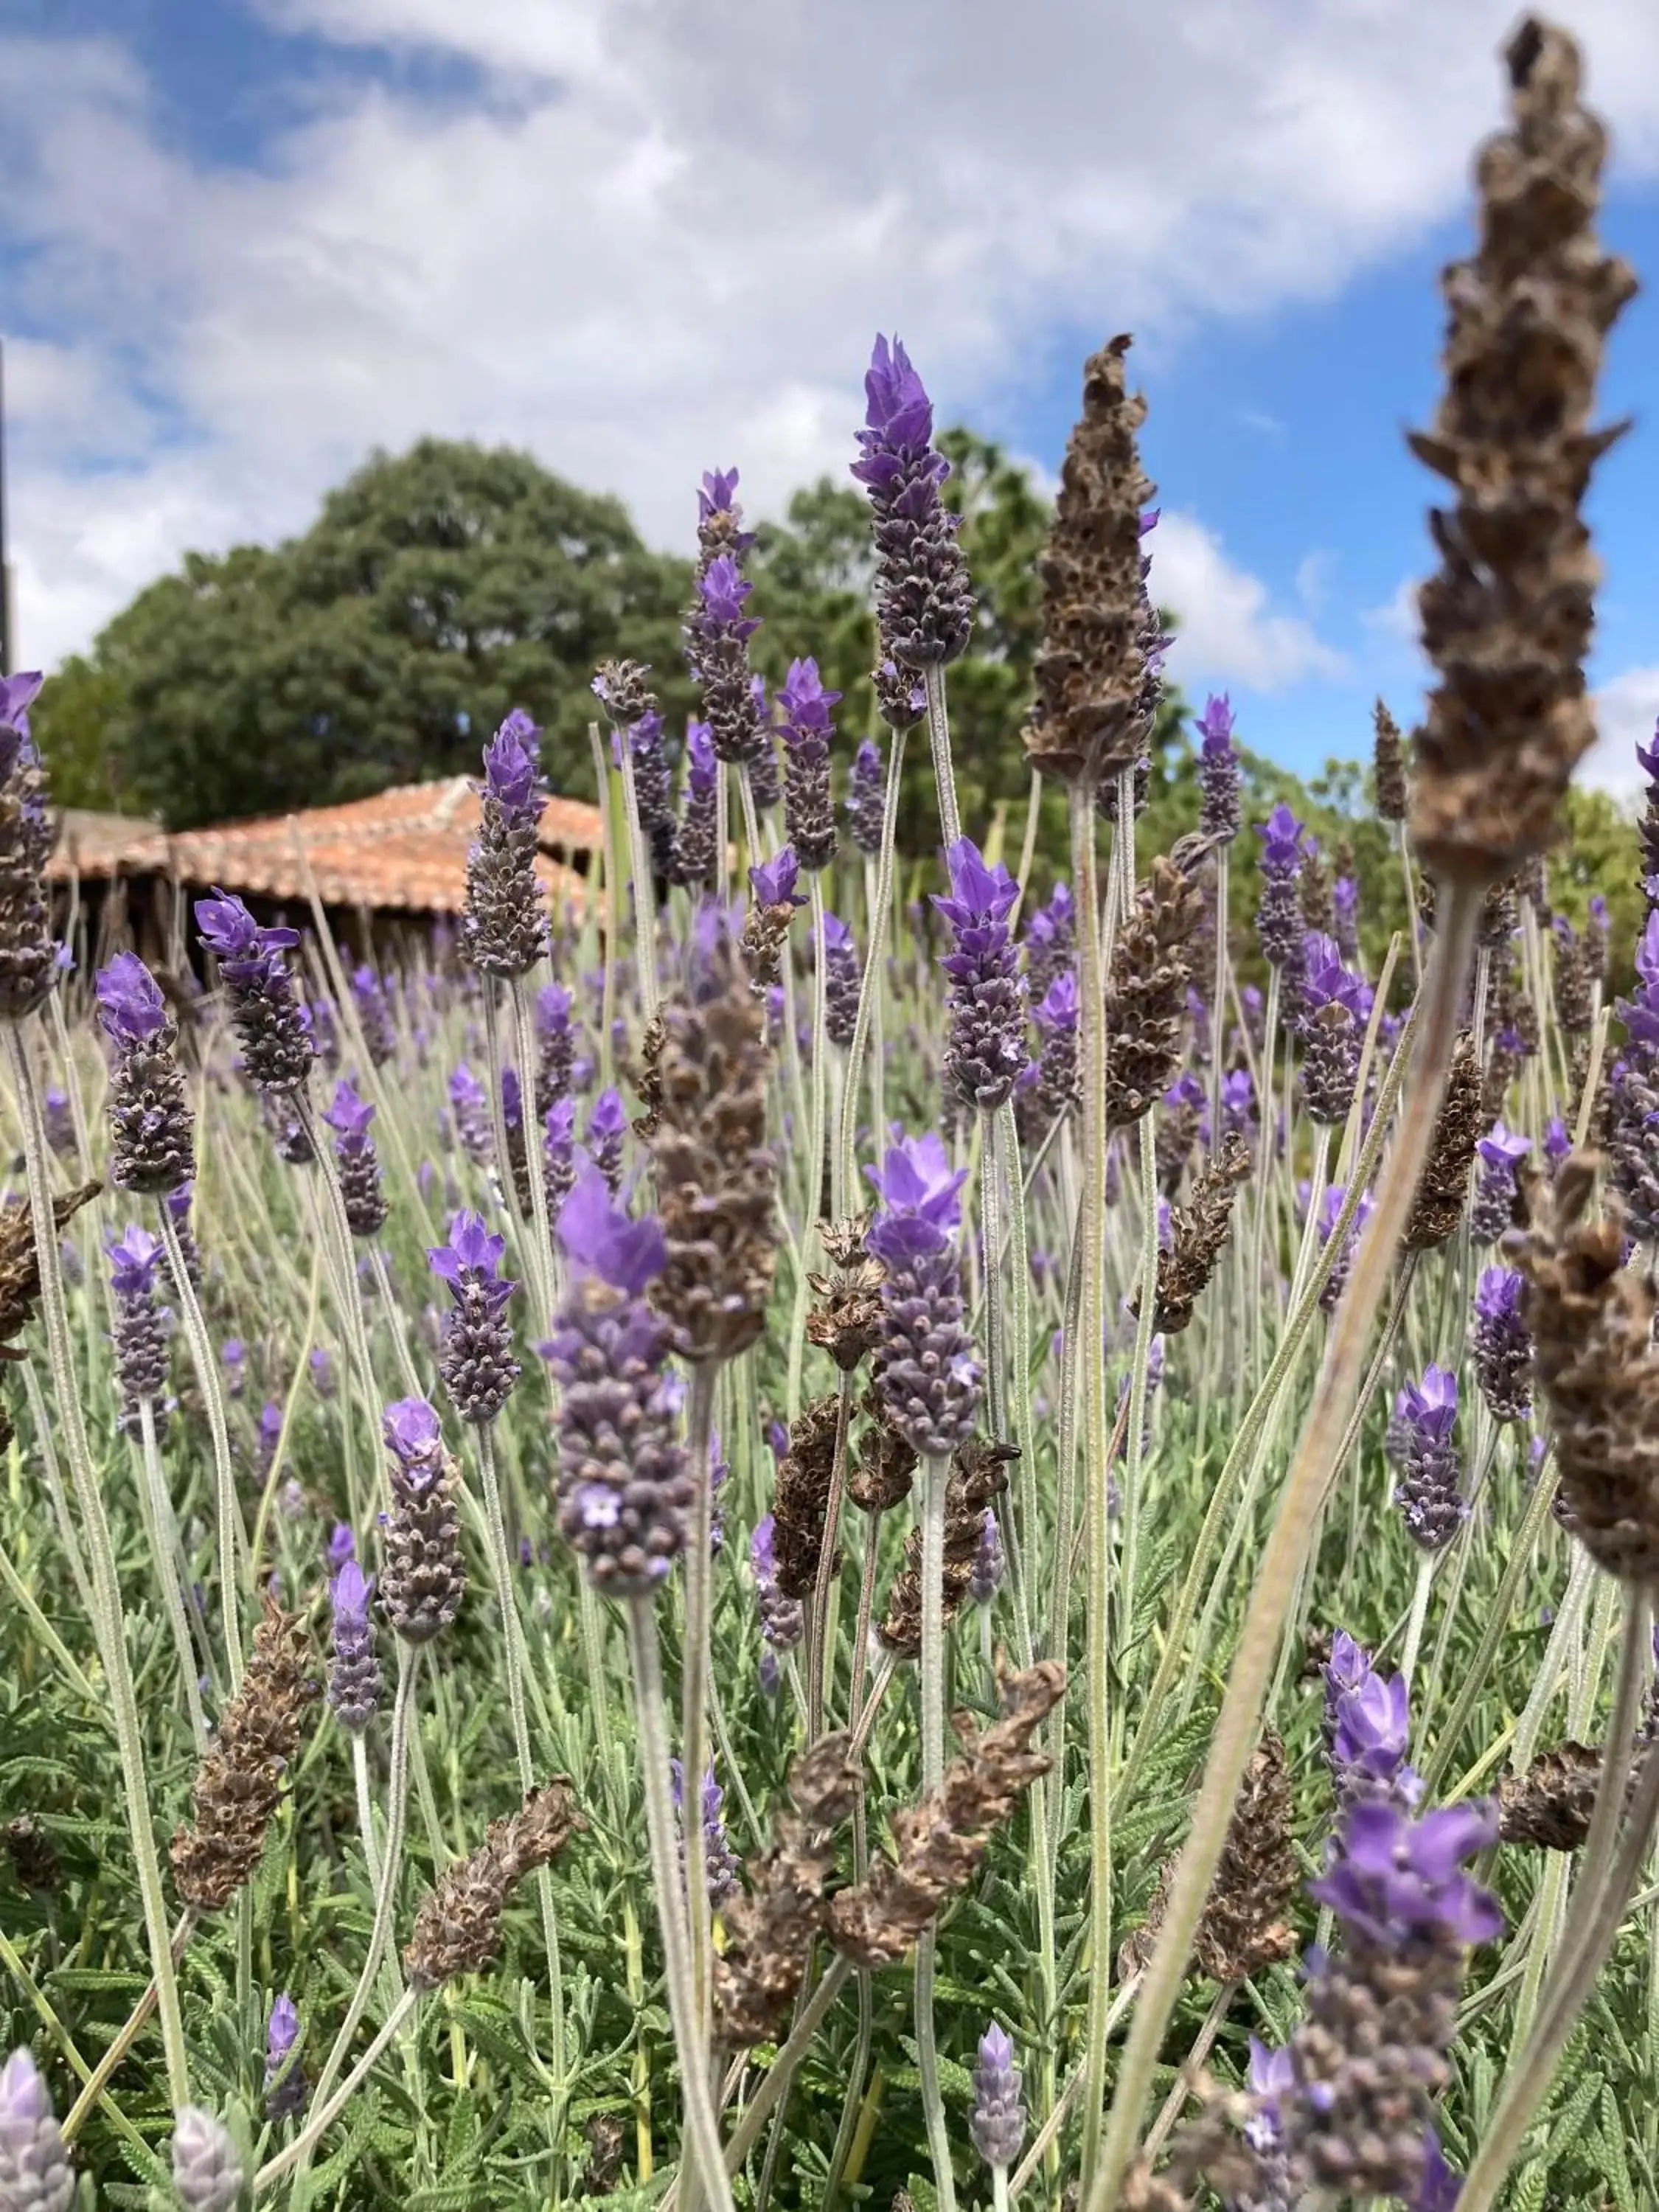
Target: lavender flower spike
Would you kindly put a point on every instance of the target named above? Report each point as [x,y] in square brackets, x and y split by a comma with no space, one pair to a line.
[151,1119]
[349,1117]
[866,798]
[1219,815]
[141,1327]
[1431,1472]
[30,964]
[808,810]
[986,1052]
[923,602]
[997,2122]
[35,2175]
[1501,1344]
[782,1619]
[719,1860]
[1492,1208]
[424,1575]
[929,1377]
[477,1361]
[1279,913]
[773,881]
[607,1127]
[1333,1005]
[206,2166]
[503,928]
[625,1489]
[285,2091]
[276,1050]
[354,1680]
[843,980]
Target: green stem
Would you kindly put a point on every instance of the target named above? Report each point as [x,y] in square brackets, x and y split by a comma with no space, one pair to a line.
[935,1475]
[227,1512]
[109,1621]
[165,1555]
[1305,1486]
[324,2115]
[1136,1441]
[695,1663]
[870,986]
[939,738]
[820,1659]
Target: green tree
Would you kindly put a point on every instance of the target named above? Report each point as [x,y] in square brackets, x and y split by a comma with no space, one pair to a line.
[70,722]
[435,591]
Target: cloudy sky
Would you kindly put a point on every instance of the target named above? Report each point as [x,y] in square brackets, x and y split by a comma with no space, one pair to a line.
[242,241]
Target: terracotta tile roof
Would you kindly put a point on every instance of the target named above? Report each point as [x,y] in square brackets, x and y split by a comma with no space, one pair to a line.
[404,848]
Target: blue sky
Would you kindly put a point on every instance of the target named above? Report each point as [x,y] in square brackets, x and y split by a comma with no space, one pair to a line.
[241,242]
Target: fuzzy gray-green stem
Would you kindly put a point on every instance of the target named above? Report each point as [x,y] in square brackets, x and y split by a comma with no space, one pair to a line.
[695,1663]
[227,1512]
[1253,1660]
[165,1555]
[939,738]
[701,2151]
[353,1320]
[645,889]
[612,902]
[109,1623]
[1146,1308]
[935,1474]
[541,1268]
[820,1659]
[68,1534]
[324,2117]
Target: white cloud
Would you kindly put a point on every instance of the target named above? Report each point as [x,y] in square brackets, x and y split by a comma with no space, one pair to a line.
[668,247]
[1626,710]
[1228,632]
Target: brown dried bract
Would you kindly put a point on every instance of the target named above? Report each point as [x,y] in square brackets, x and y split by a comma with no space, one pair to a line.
[458,1930]
[1243,1929]
[1550,1805]
[1388,766]
[716,1178]
[19,1263]
[1089,722]
[770,1929]
[979,1474]
[1146,988]
[1591,1320]
[847,1321]
[647,1078]
[801,1498]
[886,1466]
[765,933]
[1443,1187]
[942,1839]
[1198,1232]
[1507,618]
[238,1783]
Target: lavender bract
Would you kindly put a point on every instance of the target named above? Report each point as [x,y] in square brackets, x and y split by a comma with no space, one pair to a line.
[349,1115]
[477,1360]
[1431,1467]
[927,1374]
[923,603]
[276,1049]
[809,813]
[503,927]
[151,1119]
[986,1052]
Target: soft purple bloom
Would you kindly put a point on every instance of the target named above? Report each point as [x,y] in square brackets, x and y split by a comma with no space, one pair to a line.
[342,1545]
[1502,1148]
[979,896]
[1501,1344]
[472,1258]
[867,797]
[135,1258]
[921,1196]
[1558,1142]
[773,881]
[600,1238]
[130,1006]
[1060,1007]
[413,1436]
[348,1115]
[898,410]
[1325,982]
[1430,1407]
[510,775]
[242,947]
[1281,848]
[1396,1878]
[997,2120]
[805,701]
[1217,770]
[1237,1100]
[725,588]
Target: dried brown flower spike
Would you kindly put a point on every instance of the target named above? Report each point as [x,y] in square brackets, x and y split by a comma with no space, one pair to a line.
[1388,766]
[1507,618]
[979,1474]
[1593,1352]
[716,1179]
[458,1930]
[771,1929]
[1444,1187]
[847,1320]
[942,1839]
[885,1466]
[801,1498]
[1198,1232]
[237,1784]
[20,1266]
[1089,722]
[1146,989]
[1550,1805]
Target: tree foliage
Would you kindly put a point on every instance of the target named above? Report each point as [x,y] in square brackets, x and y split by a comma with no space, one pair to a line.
[434,592]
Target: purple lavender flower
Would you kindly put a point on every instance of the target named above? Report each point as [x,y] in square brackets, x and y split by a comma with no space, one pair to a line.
[866,798]
[1278,913]
[285,2083]
[1430,1490]
[1050,941]
[413,1436]
[555,1044]
[1370,2055]
[607,1127]
[1219,814]
[349,1115]
[151,1119]
[717,635]
[1558,1140]
[1345,907]
[1333,1005]
[35,2174]
[30,962]
[354,1680]
[782,1619]
[477,1362]
[142,1326]
[997,2121]
[1493,1208]
[1502,1345]
[653,793]
[342,1545]
[773,881]
[559,1152]
[270,1436]
[1330,1208]
[929,1377]
[1056,1089]
[808,728]
[696,851]
[720,1861]
[323,1381]
[60,1121]
[923,603]
[1368,1730]
[990,1562]
[469,1102]
[233,1354]
[503,927]
[625,1488]
[843,980]
[373,1014]
[1237,1102]
[985,1050]
[277,1052]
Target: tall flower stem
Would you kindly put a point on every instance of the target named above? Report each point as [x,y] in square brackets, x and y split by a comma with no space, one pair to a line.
[1606,1878]
[935,1473]
[820,1661]
[703,2147]
[541,1268]
[109,1624]
[353,1320]
[694,1690]
[815,1129]
[1419,1615]
[322,2118]
[869,1007]
[1276,1578]
[1005,1164]
[1096,1456]
[939,738]
[513,1663]
[612,901]
[1136,1441]
[227,1512]
[645,889]
[165,1554]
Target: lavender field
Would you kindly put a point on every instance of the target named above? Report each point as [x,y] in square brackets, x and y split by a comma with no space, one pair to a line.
[863,1512]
